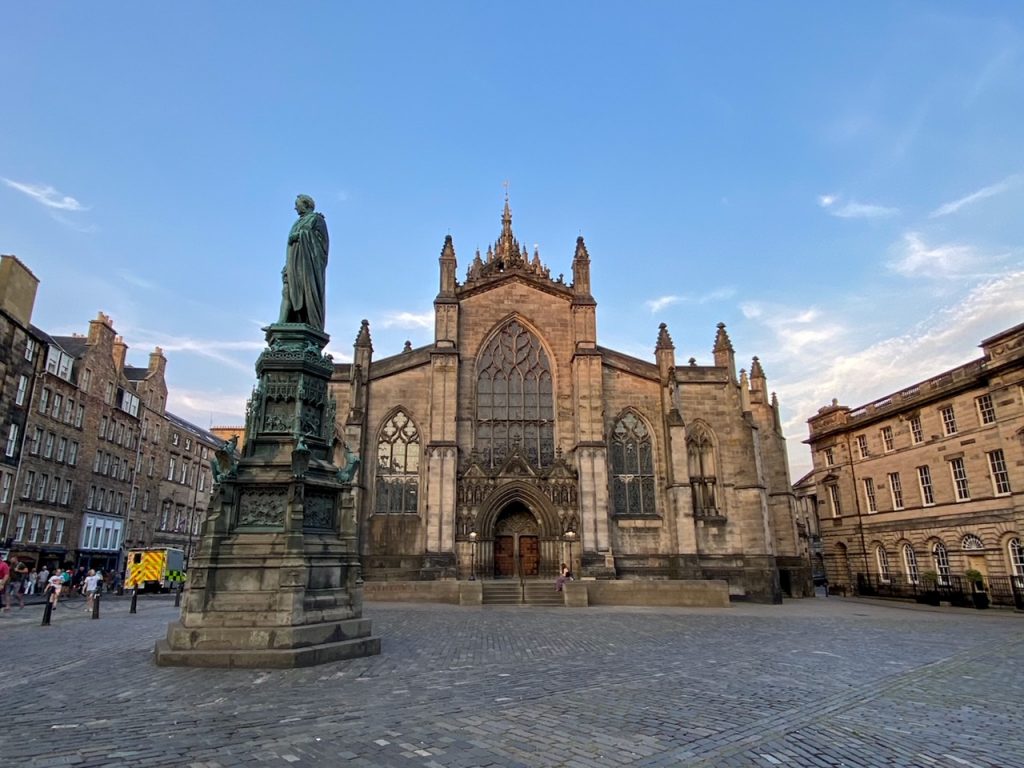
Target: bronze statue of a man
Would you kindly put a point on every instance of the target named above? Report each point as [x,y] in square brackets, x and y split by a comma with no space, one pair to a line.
[305,270]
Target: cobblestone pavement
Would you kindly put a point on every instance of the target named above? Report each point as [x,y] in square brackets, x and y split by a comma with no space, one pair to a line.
[820,682]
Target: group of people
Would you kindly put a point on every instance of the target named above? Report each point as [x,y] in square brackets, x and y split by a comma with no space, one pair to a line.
[18,580]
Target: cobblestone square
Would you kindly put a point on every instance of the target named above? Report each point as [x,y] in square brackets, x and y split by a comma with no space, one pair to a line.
[821,682]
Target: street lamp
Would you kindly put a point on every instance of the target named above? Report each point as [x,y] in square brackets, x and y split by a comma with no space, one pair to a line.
[472,567]
[570,536]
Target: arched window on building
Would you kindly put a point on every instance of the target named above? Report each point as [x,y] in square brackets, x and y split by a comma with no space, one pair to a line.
[882,557]
[398,466]
[1015,550]
[632,467]
[700,453]
[941,559]
[910,565]
[971,542]
[515,402]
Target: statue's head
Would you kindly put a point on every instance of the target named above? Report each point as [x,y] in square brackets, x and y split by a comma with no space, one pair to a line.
[304,204]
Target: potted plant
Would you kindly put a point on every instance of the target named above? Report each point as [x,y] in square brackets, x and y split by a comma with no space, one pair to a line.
[978,594]
[930,588]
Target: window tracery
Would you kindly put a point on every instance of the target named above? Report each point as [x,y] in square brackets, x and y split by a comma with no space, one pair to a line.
[700,451]
[632,467]
[515,403]
[398,466]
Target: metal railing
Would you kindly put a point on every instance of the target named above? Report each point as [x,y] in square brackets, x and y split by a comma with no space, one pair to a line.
[955,589]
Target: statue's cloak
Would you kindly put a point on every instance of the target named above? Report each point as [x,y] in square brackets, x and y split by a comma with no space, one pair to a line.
[306,269]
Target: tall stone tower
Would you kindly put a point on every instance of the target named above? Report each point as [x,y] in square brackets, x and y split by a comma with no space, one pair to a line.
[277,582]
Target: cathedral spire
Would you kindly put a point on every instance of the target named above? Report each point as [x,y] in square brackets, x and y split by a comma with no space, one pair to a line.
[722,341]
[664,340]
[724,355]
[756,371]
[581,269]
[448,266]
[506,221]
[363,339]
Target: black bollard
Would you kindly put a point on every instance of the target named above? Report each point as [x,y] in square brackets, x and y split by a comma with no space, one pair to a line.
[177,596]
[96,605]
[135,599]
[47,610]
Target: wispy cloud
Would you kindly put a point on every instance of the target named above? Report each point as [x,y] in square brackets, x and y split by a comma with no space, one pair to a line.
[717,294]
[658,304]
[139,282]
[914,257]
[220,350]
[853,209]
[409,320]
[46,195]
[203,406]
[800,332]
[990,191]
[858,371]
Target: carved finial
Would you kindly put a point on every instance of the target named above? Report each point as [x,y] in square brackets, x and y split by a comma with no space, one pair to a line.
[775,400]
[407,347]
[363,339]
[581,250]
[722,342]
[448,250]
[693,362]
[756,371]
[664,340]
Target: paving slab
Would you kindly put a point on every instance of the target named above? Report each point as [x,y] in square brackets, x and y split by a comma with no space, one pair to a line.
[817,682]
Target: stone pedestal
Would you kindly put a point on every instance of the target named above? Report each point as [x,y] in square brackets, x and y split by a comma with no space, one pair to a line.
[276,582]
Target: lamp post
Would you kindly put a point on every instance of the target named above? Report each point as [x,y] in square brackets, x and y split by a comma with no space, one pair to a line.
[570,536]
[472,567]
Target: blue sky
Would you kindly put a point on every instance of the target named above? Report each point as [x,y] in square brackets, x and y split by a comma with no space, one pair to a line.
[841,184]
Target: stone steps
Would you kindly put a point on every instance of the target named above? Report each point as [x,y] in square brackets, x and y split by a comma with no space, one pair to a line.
[510,593]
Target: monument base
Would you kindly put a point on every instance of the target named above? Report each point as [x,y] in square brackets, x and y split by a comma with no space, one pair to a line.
[266,647]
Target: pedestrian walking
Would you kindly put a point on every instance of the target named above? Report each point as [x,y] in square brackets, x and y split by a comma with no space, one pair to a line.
[16,584]
[42,579]
[55,586]
[93,584]
[5,577]
[30,582]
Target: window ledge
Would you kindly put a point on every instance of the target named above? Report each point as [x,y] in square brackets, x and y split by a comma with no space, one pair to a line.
[638,521]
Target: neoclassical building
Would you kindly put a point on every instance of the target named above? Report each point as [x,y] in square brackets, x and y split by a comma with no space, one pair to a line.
[924,484]
[515,442]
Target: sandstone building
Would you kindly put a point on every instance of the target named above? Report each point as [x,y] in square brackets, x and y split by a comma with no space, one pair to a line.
[93,460]
[926,483]
[515,442]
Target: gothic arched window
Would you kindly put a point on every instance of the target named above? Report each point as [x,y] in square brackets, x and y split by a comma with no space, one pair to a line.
[632,467]
[515,404]
[700,453]
[398,466]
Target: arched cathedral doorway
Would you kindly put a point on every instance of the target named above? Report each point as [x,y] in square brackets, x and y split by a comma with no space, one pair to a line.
[516,543]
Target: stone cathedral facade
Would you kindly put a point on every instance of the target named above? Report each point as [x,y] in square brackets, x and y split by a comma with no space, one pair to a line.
[516,442]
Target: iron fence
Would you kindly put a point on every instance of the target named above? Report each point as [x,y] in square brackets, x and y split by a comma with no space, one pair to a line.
[955,589]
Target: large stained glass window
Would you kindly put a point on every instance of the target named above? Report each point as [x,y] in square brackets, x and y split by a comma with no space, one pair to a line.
[398,466]
[514,406]
[632,467]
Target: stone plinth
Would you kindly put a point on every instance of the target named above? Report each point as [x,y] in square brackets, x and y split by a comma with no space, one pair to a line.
[276,582]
